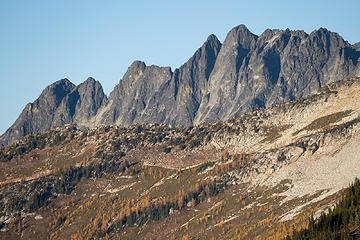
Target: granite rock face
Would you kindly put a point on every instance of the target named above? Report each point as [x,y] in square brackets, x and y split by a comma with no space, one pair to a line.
[151,94]
[277,66]
[219,82]
[129,101]
[83,103]
[60,103]
[190,83]
[357,46]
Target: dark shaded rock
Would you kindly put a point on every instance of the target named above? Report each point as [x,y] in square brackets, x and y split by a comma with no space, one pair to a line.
[130,99]
[155,94]
[223,80]
[357,46]
[272,68]
[60,103]
[191,82]
[83,102]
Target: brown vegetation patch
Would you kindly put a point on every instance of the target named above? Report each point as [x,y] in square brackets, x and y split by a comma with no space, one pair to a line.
[323,122]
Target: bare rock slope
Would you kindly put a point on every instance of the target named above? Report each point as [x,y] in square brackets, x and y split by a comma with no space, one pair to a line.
[313,144]
[60,103]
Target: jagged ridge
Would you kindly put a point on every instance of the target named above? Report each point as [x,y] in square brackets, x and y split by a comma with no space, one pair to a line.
[218,82]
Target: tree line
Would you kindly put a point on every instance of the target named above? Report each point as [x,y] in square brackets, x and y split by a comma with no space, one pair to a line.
[342,222]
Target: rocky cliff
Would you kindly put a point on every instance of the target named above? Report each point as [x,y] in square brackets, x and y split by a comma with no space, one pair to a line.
[153,94]
[60,103]
[219,82]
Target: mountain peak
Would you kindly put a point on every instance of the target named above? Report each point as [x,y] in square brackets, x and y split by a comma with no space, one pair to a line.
[63,81]
[320,32]
[241,27]
[218,82]
[212,41]
[90,80]
[212,38]
[323,32]
[138,64]
[241,35]
[58,89]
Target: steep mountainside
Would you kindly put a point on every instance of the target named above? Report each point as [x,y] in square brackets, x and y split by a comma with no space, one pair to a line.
[157,95]
[357,46]
[257,176]
[277,66]
[60,103]
[220,81]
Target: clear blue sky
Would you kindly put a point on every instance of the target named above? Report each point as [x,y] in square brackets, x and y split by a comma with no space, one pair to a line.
[44,41]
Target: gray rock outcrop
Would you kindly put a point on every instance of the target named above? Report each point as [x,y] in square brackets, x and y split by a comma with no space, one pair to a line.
[277,66]
[60,103]
[219,82]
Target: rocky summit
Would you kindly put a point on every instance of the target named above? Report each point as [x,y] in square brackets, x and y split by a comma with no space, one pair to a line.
[219,82]
[60,103]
